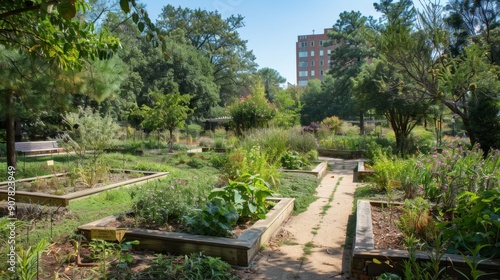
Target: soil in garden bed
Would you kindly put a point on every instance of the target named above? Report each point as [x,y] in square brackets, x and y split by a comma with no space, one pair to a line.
[386,234]
[128,221]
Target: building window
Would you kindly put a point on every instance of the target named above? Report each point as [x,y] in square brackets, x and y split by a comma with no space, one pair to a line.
[312,53]
[303,44]
[320,52]
[312,43]
[302,63]
[321,72]
[302,73]
[302,54]
[329,52]
[302,83]
[312,63]
[329,62]
[321,42]
[321,62]
[312,73]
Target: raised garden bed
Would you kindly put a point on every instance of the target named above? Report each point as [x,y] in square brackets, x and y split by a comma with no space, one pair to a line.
[344,154]
[362,172]
[238,251]
[319,171]
[65,199]
[368,262]
[216,150]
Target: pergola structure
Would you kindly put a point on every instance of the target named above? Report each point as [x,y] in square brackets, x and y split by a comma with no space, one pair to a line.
[212,124]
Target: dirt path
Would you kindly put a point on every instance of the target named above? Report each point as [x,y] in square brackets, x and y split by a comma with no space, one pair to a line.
[311,245]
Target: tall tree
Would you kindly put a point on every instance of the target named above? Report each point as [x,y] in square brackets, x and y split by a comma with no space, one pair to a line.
[45,29]
[475,21]
[18,90]
[442,59]
[253,111]
[381,87]
[219,40]
[170,111]
[314,105]
[271,79]
[350,33]
[288,107]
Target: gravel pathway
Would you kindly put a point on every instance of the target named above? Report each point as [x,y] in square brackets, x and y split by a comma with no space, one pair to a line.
[312,244]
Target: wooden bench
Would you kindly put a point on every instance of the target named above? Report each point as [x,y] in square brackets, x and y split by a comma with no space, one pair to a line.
[37,147]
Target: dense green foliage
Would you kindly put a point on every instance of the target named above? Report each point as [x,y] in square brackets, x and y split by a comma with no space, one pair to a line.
[253,111]
[461,184]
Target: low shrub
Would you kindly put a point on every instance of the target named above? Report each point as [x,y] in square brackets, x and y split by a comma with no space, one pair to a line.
[217,218]
[168,200]
[292,160]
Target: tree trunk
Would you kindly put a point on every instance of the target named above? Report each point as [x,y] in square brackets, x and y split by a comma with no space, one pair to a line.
[361,123]
[11,130]
[171,145]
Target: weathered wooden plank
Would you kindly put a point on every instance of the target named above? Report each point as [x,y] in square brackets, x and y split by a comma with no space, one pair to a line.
[38,198]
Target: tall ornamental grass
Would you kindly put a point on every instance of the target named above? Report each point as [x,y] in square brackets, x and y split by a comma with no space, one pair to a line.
[276,141]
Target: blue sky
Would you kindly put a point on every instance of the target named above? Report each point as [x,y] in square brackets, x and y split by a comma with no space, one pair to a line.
[271,27]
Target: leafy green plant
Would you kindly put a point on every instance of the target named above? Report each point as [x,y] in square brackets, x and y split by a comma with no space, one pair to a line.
[409,178]
[251,112]
[418,270]
[253,161]
[106,252]
[416,220]
[388,276]
[197,266]
[217,218]
[219,143]
[27,260]
[332,123]
[123,253]
[386,170]
[292,160]
[167,201]
[473,260]
[247,194]
[102,251]
[88,130]
[456,169]
[476,222]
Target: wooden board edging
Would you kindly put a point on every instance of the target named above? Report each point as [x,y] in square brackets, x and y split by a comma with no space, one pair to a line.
[364,252]
[319,171]
[65,200]
[238,251]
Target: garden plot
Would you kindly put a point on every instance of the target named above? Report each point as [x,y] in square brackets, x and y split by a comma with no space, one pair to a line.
[367,261]
[319,171]
[59,190]
[236,251]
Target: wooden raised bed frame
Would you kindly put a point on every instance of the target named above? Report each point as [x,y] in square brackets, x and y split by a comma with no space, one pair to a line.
[362,173]
[237,252]
[345,154]
[65,200]
[364,253]
[319,171]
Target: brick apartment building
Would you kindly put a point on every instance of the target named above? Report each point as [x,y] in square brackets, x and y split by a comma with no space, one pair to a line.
[312,56]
